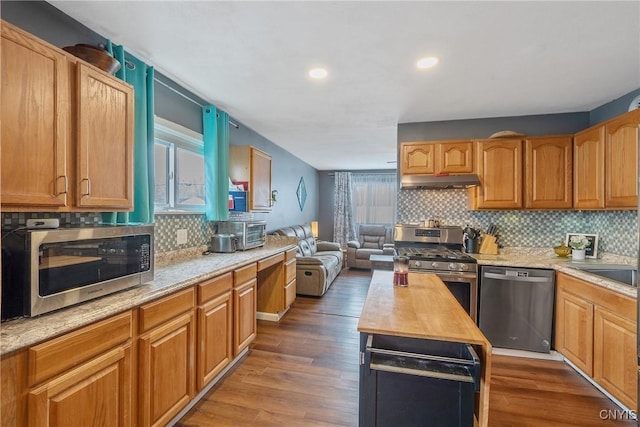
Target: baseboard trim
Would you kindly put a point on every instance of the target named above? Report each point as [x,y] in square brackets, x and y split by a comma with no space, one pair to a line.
[600,388]
[271,317]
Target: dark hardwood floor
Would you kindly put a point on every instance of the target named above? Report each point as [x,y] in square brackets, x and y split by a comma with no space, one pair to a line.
[303,371]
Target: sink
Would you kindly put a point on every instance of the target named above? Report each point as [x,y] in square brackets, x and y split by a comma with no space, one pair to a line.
[622,273]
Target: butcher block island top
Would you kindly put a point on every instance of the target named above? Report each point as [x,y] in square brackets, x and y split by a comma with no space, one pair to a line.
[425,310]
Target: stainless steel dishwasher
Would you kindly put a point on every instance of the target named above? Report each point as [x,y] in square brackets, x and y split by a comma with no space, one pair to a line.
[516,307]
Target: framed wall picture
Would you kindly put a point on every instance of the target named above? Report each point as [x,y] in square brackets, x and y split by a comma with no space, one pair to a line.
[591,251]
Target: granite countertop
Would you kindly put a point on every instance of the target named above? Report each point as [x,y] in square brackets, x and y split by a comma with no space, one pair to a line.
[546,258]
[171,273]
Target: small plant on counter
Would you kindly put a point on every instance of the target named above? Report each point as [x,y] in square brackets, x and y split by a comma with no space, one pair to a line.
[579,242]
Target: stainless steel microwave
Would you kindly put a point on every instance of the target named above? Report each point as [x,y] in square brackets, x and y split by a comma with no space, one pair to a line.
[45,270]
[248,234]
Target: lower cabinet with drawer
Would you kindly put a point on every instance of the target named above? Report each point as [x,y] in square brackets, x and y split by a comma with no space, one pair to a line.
[83,378]
[141,367]
[166,375]
[244,307]
[595,329]
[215,328]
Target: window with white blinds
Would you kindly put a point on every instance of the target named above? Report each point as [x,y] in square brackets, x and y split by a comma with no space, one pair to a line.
[374,197]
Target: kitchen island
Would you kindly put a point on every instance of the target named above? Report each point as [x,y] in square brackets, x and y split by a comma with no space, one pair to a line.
[423,311]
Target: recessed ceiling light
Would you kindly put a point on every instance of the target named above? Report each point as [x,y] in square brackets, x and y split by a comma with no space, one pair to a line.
[425,63]
[318,73]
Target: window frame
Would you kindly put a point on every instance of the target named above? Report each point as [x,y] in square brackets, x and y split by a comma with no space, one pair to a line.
[174,137]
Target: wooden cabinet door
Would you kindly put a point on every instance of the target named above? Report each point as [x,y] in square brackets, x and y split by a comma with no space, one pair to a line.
[35,121]
[417,158]
[499,166]
[95,393]
[260,180]
[244,315]
[614,361]
[215,338]
[548,172]
[166,381]
[454,157]
[588,169]
[574,330]
[290,282]
[105,141]
[621,154]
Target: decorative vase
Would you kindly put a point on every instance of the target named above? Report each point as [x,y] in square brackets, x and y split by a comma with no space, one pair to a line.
[578,254]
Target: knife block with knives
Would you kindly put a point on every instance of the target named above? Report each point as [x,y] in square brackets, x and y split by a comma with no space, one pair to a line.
[489,245]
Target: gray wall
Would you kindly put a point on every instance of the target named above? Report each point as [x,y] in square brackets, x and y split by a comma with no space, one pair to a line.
[285,176]
[50,24]
[612,109]
[550,124]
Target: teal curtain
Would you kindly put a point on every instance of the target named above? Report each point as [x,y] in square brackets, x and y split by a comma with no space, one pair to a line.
[140,76]
[215,132]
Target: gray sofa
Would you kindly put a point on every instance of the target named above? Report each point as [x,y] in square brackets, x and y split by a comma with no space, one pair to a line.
[373,239]
[317,263]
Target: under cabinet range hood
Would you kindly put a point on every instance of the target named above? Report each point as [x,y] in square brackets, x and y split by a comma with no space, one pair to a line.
[439,181]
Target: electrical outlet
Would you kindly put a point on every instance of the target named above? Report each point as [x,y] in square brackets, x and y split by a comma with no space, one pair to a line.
[181,236]
[43,223]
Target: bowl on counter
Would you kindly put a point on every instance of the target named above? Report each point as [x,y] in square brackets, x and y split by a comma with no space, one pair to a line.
[562,250]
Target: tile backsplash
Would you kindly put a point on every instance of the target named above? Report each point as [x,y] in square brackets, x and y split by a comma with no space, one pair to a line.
[617,230]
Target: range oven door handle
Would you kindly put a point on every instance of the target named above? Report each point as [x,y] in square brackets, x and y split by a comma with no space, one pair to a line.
[514,278]
[423,365]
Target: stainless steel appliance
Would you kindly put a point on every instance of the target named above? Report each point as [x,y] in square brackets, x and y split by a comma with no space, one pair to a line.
[439,250]
[45,270]
[516,307]
[223,243]
[249,234]
[398,375]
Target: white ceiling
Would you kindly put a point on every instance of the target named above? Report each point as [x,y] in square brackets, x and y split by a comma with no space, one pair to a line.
[496,59]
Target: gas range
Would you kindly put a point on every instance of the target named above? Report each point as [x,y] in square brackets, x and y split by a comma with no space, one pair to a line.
[433,249]
[438,258]
[439,251]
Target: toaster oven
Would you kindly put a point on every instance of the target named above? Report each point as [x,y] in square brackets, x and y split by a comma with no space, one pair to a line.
[248,234]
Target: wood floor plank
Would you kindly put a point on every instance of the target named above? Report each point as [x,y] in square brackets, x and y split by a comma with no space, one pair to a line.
[303,372]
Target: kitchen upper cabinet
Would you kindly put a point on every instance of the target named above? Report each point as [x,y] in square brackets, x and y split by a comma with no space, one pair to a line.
[244,307]
[215,328]
[548,172]
[499,167]
[595,328]
[434,157]
[621,155]
[247,163]
[166,349]
[73,149]
[104,141]
[417,158]
[605,158]
[454,157]
[588,169]
[35,121]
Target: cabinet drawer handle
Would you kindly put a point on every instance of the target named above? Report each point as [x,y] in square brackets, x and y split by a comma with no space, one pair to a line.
[88,186]
[66,185]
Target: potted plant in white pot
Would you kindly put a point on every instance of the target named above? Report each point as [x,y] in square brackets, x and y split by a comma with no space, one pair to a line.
[578,244]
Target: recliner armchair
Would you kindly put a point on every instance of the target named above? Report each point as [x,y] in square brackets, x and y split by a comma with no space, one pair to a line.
[372,240]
